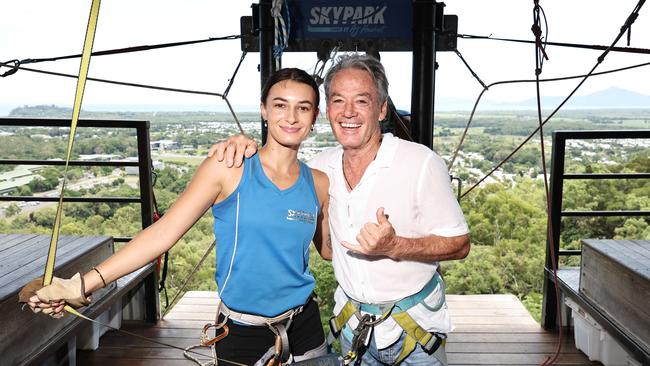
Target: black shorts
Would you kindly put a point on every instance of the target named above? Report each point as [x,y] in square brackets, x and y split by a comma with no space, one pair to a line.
[246,344]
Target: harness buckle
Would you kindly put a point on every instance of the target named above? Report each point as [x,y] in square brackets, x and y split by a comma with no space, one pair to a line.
[434,343]
[334,328]
[361,335]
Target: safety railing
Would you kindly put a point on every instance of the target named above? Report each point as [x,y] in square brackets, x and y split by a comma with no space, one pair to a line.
[553,250]
[143,164]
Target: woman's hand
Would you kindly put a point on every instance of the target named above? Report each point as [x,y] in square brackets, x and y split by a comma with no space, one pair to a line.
[52,298]
[233,150]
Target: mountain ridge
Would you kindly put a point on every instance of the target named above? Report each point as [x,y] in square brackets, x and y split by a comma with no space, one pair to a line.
[610,98]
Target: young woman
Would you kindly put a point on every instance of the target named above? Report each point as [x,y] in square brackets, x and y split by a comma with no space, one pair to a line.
[265,215]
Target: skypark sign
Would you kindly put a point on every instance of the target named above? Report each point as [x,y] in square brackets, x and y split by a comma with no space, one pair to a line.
[350,25]
[321,15]
[387,19]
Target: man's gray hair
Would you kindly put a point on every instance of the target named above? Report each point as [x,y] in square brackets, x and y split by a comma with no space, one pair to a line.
[359,62]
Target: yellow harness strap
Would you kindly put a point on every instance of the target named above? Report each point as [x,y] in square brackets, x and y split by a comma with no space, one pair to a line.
[338,322]
[414,334]
[81,83]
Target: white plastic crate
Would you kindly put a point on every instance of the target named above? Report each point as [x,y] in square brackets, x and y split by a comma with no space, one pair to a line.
[595,342]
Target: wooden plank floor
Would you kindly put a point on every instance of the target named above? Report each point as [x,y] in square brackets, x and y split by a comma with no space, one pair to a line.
[490,330]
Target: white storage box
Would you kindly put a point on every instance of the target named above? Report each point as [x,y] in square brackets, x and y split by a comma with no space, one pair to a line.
[595,342]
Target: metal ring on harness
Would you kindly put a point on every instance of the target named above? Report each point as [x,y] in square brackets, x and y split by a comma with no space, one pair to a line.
[206,341]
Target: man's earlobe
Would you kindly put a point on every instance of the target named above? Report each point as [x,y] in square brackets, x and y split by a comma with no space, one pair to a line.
[384,110]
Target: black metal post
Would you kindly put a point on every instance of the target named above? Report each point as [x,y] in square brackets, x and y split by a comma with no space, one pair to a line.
[267,34]
[423,78]
[549,305]
[152,303]
[144,170]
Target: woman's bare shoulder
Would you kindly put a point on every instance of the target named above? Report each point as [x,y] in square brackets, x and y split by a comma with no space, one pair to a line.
[215,173]
[319,177]
[321,183]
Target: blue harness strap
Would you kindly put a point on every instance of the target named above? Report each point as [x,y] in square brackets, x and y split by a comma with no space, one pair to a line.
[407,302]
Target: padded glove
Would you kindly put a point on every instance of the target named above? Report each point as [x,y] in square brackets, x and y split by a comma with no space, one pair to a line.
[72,291]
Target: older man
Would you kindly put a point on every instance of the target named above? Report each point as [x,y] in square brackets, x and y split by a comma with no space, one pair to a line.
[393,217]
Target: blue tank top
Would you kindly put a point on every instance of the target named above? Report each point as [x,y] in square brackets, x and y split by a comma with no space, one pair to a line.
[263,236]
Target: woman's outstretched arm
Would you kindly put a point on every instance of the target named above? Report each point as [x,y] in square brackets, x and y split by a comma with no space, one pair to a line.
[203,190]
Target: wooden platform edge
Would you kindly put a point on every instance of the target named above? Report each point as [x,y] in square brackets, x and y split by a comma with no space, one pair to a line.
[124,285]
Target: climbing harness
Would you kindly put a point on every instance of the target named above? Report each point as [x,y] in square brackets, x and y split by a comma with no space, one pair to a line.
[280,352]
[370,315]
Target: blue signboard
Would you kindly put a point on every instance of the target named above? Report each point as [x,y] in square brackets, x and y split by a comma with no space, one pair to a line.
[364,19]
[349,25]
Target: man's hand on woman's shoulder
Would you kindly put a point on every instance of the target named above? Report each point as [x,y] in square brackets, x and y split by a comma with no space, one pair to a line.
[233,150]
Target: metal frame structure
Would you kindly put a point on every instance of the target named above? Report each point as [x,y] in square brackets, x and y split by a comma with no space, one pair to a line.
[558,175]
[429,36]
[144,165]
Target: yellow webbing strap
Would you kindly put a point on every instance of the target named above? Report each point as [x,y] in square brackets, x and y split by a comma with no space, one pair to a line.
[342,318]
[414,334]
[81,84]
[408,346]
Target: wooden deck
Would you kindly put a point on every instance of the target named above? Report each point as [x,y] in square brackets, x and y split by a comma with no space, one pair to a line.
[490,330]
[613,286]
[22,259]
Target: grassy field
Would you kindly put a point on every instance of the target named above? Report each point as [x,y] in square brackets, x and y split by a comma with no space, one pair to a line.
[187,160]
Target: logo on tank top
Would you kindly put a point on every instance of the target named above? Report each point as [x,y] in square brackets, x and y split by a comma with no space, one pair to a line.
[302,216]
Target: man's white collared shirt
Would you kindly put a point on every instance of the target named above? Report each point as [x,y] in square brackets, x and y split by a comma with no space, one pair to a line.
[412,184]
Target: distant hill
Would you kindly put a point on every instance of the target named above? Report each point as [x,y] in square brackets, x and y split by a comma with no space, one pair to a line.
[611,98]
[608,98]
[53,111]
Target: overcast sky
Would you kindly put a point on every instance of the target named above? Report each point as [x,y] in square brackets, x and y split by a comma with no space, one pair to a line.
[39,28]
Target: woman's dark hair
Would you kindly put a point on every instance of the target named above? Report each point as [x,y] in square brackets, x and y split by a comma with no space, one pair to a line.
[293,74]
